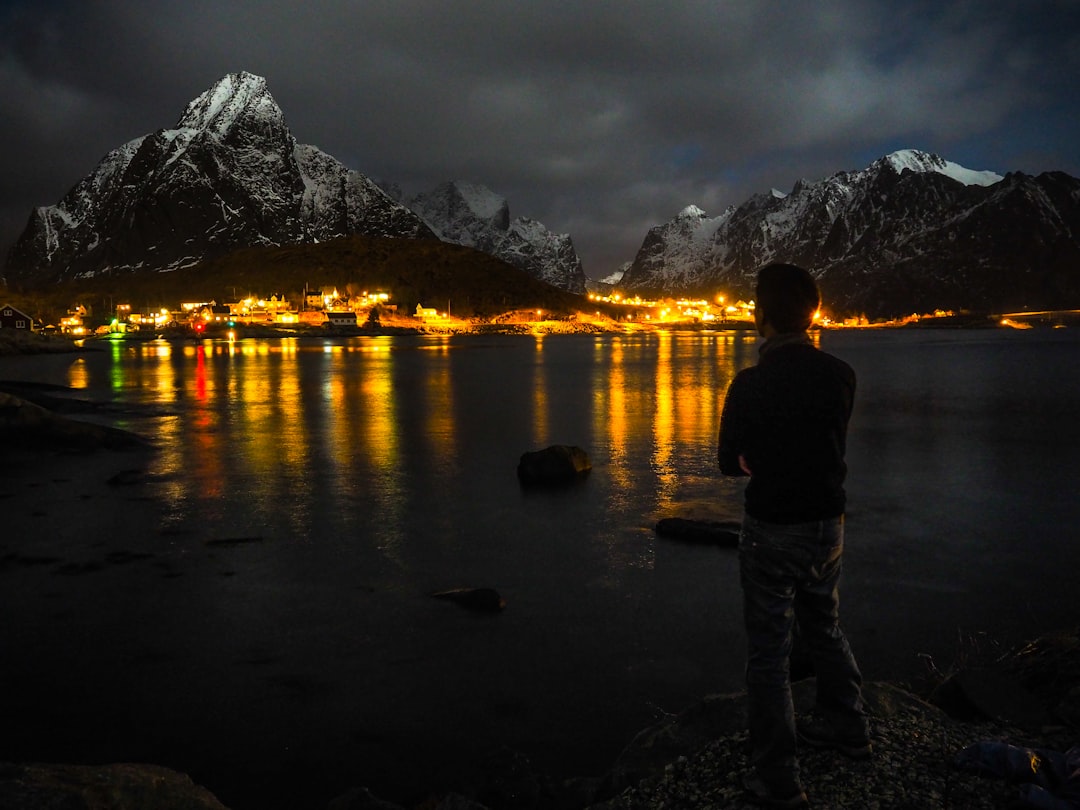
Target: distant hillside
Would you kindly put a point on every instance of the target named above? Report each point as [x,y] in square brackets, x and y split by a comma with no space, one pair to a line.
[412,272]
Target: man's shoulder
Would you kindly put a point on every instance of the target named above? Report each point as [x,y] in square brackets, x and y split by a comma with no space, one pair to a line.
[810,359]
[842,366]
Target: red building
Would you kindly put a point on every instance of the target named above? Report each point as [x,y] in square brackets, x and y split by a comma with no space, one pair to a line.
[11,318]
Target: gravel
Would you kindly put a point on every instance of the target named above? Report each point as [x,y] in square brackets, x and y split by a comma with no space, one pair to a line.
[911,768]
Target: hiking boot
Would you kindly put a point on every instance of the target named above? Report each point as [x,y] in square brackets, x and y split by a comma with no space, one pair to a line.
[764,796]
[818,732]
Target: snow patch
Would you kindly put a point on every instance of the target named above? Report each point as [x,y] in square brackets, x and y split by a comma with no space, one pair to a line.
[481,200]
[919,161]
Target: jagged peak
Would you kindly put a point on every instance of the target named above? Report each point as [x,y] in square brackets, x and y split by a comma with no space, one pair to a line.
[233,98]
[919,161]
[691,212]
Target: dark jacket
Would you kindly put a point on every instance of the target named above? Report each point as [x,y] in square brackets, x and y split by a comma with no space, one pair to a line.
[788,416]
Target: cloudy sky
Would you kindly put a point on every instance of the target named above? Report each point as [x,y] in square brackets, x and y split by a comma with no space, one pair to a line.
[600,119]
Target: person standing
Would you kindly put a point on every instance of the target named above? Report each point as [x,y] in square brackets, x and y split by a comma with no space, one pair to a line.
[784,424]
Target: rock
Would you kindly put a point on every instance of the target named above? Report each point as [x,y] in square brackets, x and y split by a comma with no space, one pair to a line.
[25,424]
[1049,667]
[483,600]
[985,692]
[556,465]
[101,787]
[127,478]
[712,532]
[1068,708]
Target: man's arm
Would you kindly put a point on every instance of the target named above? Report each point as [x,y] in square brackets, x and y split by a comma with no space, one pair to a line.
[730,452]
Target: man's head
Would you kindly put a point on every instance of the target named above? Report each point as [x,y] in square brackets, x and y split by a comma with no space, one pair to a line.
[786,298]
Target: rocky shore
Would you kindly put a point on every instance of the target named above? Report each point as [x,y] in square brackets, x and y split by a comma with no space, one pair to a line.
[912,768]
[693,761]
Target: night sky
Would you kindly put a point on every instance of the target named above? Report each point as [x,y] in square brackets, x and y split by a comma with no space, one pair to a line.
[600,119]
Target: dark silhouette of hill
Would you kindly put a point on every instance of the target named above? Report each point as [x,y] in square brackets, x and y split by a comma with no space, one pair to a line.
[411,272]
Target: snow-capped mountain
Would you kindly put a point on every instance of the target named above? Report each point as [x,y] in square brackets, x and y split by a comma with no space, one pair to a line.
[911,232]
[228,174]
[473,215]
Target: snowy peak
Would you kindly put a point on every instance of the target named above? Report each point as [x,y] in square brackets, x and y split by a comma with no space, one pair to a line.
[229,175]
[238,99]
[690,212]
[919,161]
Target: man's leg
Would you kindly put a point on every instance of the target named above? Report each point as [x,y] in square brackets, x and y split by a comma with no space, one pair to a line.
[817,607]
[768,591]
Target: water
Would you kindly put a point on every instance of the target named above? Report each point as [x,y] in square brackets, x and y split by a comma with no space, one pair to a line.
[363,474]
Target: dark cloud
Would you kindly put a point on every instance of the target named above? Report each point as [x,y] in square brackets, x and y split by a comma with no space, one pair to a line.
[599,119]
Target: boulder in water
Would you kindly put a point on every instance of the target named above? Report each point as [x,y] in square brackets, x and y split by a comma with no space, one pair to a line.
[556,465]
[712,532]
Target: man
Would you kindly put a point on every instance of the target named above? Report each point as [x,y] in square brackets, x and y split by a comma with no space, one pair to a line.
[784,424]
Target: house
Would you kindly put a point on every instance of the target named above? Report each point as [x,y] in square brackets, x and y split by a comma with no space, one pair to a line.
[11,318]
[313,299]
[340,317]
[215,313]
[425,312]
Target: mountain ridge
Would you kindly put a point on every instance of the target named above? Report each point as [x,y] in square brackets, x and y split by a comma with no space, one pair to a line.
[228,175]
[911,232]
[473,215]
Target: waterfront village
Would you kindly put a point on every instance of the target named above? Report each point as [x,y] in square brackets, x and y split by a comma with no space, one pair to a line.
[330,310]
[319,310]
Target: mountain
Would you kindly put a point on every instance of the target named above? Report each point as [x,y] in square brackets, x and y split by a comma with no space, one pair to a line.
[474,216]
[912,232]
[228,175]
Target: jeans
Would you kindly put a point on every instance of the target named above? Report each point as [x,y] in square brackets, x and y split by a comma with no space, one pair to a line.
[791,573]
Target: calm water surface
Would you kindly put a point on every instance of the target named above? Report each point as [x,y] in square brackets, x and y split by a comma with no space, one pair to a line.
[374,471]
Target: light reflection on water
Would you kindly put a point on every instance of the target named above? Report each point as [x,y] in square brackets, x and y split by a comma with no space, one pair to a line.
[305,438]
